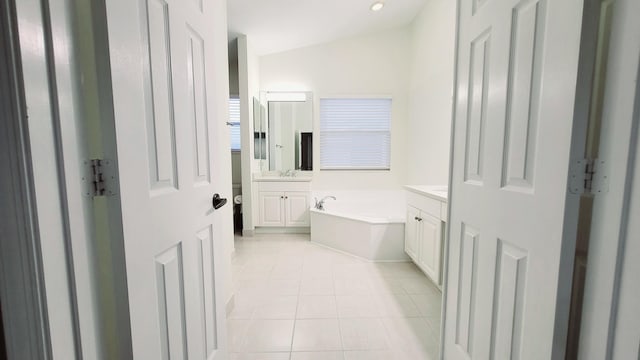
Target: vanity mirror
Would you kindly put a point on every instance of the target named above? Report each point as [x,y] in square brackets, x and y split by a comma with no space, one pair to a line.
[259,134]
[285,131]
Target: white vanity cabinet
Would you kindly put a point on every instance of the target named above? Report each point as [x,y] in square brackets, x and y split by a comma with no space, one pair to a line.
[430,244]
[424,230]
[283,204]
[411,232]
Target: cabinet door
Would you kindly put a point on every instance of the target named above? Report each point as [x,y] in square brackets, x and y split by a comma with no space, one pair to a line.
[297,208]
[430,242]
[271,208]
[411,233]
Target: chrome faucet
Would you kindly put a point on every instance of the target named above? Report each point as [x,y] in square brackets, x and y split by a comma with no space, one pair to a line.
[320,204]
[290,172]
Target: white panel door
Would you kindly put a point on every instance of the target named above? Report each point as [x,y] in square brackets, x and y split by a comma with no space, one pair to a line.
[297,208]
[516,74]
[411,233]
[430,239]
[165,69]
[271,208]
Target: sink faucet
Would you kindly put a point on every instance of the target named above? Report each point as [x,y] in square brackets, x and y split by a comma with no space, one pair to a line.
[290,172]
[320,204]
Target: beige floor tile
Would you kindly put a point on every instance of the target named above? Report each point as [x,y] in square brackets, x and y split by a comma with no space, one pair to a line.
[260,356]
[363,334]
[317,355]
[277,307]
[356,306]
[317,286]
[397,305]
[317,307]
[289,286]
[428,305]
[294,296]
[419,285]
[369,355]
[317,335]
[236,330]
[268,336]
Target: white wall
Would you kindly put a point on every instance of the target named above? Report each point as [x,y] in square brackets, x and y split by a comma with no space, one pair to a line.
[249,86]
[234,88]
[431,93]
[48,222]
[627,331]
[368,65]
[607,227]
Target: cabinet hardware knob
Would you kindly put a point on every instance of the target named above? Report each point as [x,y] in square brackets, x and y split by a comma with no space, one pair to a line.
[416,218]
[217,202]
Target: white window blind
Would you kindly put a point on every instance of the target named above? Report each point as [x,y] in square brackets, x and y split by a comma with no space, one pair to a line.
[355,133]
[234,123]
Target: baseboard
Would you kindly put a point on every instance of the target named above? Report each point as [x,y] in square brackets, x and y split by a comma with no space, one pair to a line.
[248,232]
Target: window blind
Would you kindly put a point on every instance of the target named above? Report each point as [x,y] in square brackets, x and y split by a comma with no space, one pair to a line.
[355,133]
[234,123]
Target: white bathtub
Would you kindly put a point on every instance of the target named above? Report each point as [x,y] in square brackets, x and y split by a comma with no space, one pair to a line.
[367,224]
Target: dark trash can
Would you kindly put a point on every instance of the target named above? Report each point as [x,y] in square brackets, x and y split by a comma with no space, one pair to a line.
[237,218]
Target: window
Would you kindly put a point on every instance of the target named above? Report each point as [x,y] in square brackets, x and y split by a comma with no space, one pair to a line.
[355,134]
[234,123]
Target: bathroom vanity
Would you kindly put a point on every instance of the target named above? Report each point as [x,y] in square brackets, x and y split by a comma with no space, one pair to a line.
[426,217]
[283,148]
[282,202]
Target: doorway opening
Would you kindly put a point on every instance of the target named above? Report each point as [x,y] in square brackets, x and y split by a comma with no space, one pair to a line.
[252,270]
[595,47]
[3,346]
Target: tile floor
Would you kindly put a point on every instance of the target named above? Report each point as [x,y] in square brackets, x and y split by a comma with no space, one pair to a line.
[295,300]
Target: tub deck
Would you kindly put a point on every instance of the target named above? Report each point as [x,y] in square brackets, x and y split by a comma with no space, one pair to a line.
[368,236]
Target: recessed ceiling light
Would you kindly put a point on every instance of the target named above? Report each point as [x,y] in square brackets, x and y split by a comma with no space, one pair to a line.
[377,6]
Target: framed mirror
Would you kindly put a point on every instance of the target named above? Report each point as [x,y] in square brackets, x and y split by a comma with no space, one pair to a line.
[259,134]
[287,123]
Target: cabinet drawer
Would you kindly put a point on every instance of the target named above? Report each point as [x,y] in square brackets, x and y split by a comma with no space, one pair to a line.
[424,203]
[282,186]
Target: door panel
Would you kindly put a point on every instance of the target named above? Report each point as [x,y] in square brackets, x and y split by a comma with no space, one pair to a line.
[271,208]
[523,91]
[163,91]
[466,281]
[430,236]
[509,294]
[206,270]
[198,105]
[411,233]
[477,116]
[159,98]
[297,208]
[171,303]
[517,71]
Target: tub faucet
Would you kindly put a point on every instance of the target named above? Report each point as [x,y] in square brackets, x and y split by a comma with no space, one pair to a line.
[320,204]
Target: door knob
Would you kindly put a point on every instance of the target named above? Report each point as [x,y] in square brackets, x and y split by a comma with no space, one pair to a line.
[217,201]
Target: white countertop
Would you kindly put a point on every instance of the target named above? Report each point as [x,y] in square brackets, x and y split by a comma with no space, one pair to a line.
[436,192]
[299,177]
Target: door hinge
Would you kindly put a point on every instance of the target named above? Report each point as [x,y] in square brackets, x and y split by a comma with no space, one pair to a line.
[588,176]
[99,178]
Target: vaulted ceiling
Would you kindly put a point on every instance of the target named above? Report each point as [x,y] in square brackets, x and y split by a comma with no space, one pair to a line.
[280,25]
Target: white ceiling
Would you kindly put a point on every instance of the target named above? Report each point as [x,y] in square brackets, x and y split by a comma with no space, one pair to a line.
[279,25]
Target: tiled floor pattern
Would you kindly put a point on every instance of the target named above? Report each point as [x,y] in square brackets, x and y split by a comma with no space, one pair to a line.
[295,300]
